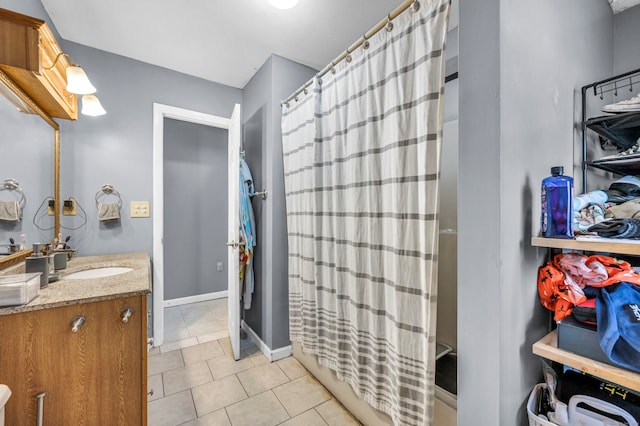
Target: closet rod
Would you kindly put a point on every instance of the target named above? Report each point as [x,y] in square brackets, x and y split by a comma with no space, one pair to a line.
[397,11]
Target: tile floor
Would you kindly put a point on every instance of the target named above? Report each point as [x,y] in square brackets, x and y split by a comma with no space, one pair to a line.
[195,380]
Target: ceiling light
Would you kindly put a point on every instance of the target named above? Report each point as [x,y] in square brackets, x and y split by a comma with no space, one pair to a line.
[92,106]
[283,4]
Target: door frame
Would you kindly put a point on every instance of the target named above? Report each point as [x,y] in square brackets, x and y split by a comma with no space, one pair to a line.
[160,112]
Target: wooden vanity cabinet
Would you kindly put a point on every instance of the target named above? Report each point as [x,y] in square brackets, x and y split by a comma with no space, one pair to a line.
[27,49]
[95,376]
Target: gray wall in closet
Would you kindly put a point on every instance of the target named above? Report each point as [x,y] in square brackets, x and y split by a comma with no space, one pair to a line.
[274,81]
[521,67]
[626,43]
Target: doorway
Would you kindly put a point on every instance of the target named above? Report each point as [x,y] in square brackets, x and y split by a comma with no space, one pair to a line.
[160,113]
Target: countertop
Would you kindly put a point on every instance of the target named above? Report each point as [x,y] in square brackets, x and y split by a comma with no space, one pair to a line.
[69,292]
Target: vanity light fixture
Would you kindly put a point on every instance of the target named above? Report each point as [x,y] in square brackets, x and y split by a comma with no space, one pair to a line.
[92,106]
[283,4]
[77,80]
[78,83]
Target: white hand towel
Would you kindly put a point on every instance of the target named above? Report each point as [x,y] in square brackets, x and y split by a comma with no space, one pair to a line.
[108,212]
[10,211]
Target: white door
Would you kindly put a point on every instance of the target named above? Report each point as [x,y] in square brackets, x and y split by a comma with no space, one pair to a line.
[234,231]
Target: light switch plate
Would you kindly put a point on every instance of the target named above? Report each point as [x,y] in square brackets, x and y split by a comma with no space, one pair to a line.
[140,209]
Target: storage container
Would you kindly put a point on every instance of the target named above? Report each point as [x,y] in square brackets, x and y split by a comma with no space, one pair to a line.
[19,289]
[531,408]
[557,205]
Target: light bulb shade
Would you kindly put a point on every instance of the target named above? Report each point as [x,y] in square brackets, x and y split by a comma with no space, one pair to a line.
[78,82]
[92,106]
[283,4]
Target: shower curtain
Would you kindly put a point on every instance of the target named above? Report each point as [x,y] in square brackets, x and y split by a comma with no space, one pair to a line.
[362,161]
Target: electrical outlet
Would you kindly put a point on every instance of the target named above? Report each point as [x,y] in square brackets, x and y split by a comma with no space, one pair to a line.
[69,207]
[219,267]
[140,209]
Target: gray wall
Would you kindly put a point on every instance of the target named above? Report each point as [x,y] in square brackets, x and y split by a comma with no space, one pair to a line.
[274,81]
[626,43]
[520,66]
[195,208]
[117,148]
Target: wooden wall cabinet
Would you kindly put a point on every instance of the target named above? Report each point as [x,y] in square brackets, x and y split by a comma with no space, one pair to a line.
[95,376]
[27,48]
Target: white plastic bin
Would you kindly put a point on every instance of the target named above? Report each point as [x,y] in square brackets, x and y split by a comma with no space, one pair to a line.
[533,419]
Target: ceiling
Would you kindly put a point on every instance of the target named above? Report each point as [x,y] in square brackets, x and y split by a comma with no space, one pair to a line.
[224,41]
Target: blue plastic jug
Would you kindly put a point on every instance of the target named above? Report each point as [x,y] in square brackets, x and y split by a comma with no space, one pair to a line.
[557,205]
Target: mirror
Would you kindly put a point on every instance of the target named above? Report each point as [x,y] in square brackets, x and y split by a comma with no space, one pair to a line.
[30,146]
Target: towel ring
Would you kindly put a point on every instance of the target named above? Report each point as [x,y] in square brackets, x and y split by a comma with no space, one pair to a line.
[105,191]
[13,185]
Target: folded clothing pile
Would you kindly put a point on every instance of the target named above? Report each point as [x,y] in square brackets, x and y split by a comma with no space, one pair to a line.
[617,228]
[570,279]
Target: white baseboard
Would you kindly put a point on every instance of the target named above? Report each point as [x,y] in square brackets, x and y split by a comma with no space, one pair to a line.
[196,298]
[272,355]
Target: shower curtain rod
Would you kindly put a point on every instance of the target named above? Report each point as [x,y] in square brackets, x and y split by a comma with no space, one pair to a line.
[415,4]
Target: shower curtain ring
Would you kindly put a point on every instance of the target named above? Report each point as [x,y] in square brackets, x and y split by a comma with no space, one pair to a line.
[365,42]
[415,6]
[389,26]
[348,56]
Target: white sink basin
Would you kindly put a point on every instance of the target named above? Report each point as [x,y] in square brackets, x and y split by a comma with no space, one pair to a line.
[97,273]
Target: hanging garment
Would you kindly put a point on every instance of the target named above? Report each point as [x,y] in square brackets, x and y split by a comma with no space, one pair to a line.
[362,152]
[247,234]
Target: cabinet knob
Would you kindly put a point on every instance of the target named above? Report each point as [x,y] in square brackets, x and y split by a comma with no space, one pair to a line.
[126,314]
[77,323]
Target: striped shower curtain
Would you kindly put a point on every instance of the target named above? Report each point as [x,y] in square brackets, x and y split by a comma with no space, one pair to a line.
[362,163]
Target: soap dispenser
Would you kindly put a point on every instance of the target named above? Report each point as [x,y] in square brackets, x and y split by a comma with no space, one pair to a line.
[38,263]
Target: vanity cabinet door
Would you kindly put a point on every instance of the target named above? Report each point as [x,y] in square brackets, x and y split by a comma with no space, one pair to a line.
[91,376]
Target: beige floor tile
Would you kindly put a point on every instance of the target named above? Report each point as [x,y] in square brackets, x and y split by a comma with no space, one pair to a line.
[218,305]
[164,362]
[199,315]
[171,410]
[308,418]
[263,409]
[213,336]
[172,314]
[153,351]
[301,395]
[186,377]
[176,331]
[201,352]
[154,384]
[292,368]
[193,311]
[259,379]
[217,394]
[217,418]
[258,358]
[199,328]
[178,344]
[225,365]
[226,345]
[335,414]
